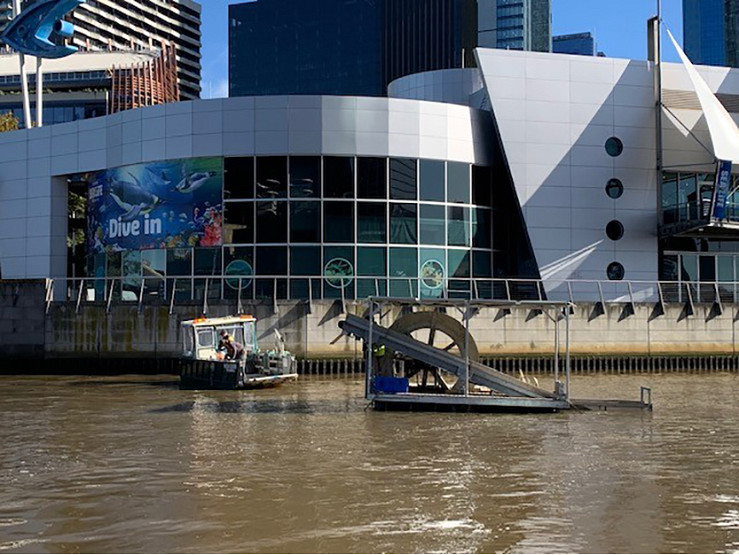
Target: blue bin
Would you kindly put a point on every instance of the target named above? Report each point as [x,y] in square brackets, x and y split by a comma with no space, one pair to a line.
[387,384]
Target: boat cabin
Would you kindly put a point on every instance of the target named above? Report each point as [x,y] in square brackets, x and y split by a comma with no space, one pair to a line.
[200,337]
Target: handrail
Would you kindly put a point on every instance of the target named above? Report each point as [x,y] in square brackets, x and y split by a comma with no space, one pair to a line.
[140,290]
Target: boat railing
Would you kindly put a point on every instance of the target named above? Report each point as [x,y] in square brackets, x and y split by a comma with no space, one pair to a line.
[204,291]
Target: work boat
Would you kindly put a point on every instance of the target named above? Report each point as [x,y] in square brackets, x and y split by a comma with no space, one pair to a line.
[203,366]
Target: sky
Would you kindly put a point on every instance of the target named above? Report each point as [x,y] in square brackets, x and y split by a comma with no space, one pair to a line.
[619,26]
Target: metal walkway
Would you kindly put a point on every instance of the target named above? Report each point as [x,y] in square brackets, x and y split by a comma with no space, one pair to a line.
[479,374]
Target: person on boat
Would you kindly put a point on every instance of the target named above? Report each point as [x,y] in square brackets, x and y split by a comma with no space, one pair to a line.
[234,350]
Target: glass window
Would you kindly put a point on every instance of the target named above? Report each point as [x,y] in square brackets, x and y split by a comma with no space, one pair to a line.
[338,177]
[403,271]
[268,289]
[153,263]
[458,182]
[431,180]
[272,222]
[305,177]
[459,263]
[338,272]
[375,287]
[305,261]
[338,222]
[707,268]
[403,223]
[433,225]
[131,271]
[614,146]
[371,261]
[271,261]
[615,271]
[179,262]
[725,268]
[669,268]
[482,186]
[689,270]
[459,226]
[482,264]
[614,188]
[113,265]
[305,222]
[239,263]
[371,222]
[688,197]
[402,179]
[432,272]
[272,177]
[239,222]
[481,228]
[372,178]
[614,230]
[238,178]
[207,262]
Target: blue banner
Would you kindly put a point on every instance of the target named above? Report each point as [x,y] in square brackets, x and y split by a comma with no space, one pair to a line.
[721,192]
[156,206]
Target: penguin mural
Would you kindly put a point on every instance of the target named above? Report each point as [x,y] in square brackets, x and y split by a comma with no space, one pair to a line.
[132,198]
[194,181]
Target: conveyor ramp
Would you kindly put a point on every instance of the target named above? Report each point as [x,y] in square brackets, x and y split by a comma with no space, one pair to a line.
[406,345]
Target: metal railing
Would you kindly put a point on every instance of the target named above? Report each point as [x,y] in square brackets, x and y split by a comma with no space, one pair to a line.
[203,291]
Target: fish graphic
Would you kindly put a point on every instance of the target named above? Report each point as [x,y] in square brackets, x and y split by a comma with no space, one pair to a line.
[132,198]
[193,181]
[31,31]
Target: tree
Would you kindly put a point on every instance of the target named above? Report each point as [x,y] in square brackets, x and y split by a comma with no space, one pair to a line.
[8,122]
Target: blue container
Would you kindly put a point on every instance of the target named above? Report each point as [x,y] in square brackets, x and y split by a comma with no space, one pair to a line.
[387,384]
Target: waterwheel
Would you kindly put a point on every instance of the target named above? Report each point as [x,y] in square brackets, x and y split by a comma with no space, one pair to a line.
[438,330]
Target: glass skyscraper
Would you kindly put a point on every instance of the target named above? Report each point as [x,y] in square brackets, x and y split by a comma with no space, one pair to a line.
[582,44]
[709,31]
[515,24]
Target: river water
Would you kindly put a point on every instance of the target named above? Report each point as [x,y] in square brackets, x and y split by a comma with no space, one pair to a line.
[133,464]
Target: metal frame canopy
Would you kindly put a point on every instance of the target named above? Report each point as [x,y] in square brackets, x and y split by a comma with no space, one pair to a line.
[466,370]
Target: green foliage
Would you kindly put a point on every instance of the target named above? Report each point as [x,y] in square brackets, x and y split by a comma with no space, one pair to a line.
[8,122]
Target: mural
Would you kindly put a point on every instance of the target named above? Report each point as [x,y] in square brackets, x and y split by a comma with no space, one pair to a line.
[157,205]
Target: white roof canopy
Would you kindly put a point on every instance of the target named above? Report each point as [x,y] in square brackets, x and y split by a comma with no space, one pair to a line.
[724,132]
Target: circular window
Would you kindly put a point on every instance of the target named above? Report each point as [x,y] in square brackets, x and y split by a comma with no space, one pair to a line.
[242,272]
[338,272]
[614,146]
[432,274]
[615,230]
[615,271]
[614,188]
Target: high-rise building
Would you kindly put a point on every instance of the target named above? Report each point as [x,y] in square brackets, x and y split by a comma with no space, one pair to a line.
[117,25]
[710,31]
[581,44]
[295,46]
[515,24]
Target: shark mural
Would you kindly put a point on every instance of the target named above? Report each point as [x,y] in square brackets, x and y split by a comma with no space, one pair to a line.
[158,205]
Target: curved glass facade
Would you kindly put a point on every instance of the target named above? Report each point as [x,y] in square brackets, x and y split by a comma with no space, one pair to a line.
[319,227]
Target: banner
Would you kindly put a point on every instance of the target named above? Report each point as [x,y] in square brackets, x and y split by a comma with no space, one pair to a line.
[161,205]
[721,191]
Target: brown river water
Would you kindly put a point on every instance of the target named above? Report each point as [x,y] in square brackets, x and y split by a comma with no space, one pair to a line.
[133,464]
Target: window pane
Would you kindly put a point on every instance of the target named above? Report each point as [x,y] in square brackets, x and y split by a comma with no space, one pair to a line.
[403,223]
[371,222]
[239,263]
[371,261]
[238,178]
[272,222]
[375,287]
[458,182]
[338,177]
[433,225]
[179,262]
[432,272]
[305,176]
[305,222]
[153,262]
[372,178]
[459,226]
[689,267]
[338,222]
[402,179]
[305,261]
[207,262]
[482,186]
[272,177]
[481,264]
[432,180]
[239,224]
[403,272]
[338,271]
[459,263]
[268,289]
[481,228]
[113,265]
[707,268]
[271,261]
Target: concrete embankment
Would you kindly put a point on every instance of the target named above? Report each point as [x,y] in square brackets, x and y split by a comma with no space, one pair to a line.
[95,337]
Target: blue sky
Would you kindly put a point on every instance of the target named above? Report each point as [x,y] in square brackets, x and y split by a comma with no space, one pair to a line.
[619,27]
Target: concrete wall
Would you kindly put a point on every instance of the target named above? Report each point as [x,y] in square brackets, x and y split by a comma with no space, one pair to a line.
[22,319]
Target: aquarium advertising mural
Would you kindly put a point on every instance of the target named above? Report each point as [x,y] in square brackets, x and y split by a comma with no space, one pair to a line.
[156,205]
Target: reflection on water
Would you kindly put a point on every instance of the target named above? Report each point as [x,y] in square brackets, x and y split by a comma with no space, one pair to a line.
[136,465]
